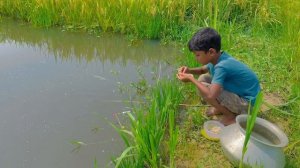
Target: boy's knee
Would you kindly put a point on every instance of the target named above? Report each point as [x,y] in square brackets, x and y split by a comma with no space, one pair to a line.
[206,78]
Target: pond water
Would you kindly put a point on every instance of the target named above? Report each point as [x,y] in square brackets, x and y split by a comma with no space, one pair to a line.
[57,87]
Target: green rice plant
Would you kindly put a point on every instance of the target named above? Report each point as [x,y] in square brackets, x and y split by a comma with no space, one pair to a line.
[173,135]
[175,98]
[216,9]
[95,163]
[148,126]
[250,124]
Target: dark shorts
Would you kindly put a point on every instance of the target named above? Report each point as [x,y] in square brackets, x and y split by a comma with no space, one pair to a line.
[230,100]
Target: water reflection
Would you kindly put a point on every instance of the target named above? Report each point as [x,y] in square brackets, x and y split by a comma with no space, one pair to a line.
[84,47]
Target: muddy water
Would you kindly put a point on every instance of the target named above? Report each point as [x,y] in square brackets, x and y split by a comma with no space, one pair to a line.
[57,87]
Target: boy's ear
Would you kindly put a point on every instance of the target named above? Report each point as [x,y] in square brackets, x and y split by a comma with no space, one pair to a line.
[212,51]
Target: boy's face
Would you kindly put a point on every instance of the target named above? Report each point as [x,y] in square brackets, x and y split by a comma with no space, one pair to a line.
[202,57]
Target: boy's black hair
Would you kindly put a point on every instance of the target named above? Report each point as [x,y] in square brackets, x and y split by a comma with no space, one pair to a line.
[205,39]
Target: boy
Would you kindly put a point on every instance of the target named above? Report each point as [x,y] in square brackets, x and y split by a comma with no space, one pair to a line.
[230,85]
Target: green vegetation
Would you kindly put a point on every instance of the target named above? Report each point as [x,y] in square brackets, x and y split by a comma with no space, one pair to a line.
[143,139]
[250,124]
[264,34]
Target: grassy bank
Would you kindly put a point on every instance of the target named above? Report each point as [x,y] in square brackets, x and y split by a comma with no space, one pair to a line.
[265,34]
[150,18]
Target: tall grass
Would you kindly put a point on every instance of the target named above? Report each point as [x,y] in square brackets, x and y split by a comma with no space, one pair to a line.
[173,134]
[148,125]
[144,18]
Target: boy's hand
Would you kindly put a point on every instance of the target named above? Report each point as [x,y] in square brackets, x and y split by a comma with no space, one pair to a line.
[183,69]
[184,77]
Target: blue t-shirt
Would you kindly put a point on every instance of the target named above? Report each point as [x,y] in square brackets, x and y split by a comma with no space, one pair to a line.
[235,77]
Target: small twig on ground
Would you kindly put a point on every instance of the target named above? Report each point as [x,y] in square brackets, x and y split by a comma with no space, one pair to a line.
[291,146]
[282,105]
[288,103]
[124,101]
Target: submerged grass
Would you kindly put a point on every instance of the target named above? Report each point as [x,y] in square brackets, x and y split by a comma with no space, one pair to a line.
[264,34]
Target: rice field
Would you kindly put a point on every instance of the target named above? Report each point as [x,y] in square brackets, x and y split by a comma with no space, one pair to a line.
[265,34]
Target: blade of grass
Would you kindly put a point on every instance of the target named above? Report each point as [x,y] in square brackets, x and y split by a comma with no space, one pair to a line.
[250,124]
[123,155]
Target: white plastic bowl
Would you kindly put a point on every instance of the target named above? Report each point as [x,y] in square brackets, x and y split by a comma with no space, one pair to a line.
[213,129]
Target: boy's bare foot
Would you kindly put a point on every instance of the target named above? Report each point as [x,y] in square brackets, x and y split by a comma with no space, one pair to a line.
[211,111]
[226,120]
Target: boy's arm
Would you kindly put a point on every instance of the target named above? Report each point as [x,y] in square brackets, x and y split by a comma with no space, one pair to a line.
[197,71]
[209,93]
